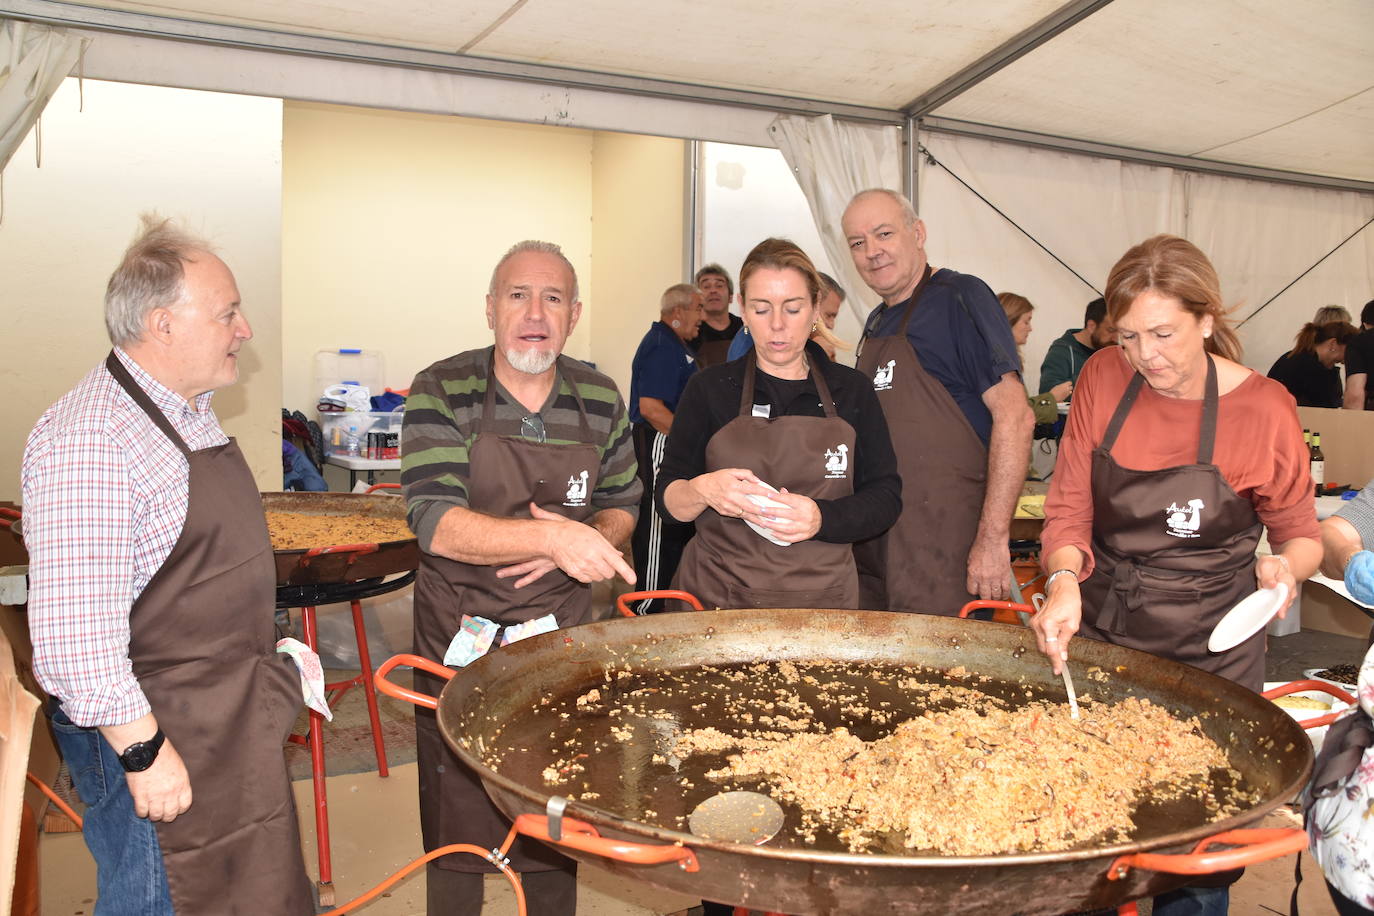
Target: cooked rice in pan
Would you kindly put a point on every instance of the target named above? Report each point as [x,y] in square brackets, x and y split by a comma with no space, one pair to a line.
[299,531]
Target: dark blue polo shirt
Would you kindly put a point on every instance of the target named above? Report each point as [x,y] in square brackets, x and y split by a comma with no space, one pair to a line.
[661,368]
[962,338]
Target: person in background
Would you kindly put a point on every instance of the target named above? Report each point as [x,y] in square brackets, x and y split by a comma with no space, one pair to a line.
[712,344]
[1309,370]
[783,416]
[1018,310]
[1359,363]
[1329,313]
[662,366]
[940,355]
[1337,801]
[518,472]
[1174,458]
[832,298]
[152,600]
[1066,356]
[1338,798]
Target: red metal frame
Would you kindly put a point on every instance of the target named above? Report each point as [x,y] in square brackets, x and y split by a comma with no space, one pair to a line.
[314,736]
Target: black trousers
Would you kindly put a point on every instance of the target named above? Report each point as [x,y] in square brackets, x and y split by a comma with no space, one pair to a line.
[657,542]
[456,893]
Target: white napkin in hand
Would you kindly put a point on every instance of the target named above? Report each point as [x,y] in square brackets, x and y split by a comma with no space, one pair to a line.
[312,674]
[763,502]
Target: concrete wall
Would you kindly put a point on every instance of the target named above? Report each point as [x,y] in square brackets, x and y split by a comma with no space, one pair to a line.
[211,160]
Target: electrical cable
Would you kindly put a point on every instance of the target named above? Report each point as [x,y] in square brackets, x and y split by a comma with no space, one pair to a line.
[930,158]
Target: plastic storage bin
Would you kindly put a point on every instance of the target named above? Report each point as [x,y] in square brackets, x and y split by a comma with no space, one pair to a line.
[349,367]
[335,427]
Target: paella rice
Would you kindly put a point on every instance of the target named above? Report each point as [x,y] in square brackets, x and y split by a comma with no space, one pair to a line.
[302,531]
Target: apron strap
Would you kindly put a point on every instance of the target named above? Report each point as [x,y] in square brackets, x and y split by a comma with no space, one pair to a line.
[906,314]
[126,381]
[489,401]
[746,396]
[1207,439]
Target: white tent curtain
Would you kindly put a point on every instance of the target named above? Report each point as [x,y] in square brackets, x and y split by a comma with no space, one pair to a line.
[34,59]
[832,161]
[1088,211]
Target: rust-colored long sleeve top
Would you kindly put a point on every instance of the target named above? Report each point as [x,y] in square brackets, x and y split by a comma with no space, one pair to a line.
[1259,451]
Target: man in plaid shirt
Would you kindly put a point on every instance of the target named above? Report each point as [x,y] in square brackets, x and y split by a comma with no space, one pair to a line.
[152,600]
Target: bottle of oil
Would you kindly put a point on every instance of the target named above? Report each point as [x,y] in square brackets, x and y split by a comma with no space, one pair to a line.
[1318,462]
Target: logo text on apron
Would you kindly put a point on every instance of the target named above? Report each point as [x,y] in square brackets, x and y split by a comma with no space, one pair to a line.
[882,379]
[1184,521]
[577,491]
[837,461]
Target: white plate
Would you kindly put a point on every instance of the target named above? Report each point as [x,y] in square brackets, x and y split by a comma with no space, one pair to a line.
[1247,618]
[763,502]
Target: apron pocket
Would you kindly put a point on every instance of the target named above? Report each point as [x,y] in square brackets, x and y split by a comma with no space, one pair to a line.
[738,596]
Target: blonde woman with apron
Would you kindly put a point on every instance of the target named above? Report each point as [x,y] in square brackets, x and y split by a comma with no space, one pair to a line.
[783,424]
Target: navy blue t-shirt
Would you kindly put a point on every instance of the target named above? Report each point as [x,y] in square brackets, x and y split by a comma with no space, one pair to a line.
[661,368]
[962,338]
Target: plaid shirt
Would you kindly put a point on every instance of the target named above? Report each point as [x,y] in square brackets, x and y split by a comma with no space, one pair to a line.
[105,496]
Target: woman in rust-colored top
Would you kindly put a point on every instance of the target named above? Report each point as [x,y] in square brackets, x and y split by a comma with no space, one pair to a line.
[1175,456]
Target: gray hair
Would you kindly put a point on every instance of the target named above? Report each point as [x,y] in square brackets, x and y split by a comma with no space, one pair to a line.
[833,286]
[908,211]
[150,276]
[716,270]
[679,295]
[1329,313]
[533,245]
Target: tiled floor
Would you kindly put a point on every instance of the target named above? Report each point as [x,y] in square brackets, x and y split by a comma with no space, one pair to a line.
[376,832]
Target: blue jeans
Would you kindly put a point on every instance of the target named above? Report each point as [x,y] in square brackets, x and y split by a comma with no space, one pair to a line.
[1194,901]
[130,876]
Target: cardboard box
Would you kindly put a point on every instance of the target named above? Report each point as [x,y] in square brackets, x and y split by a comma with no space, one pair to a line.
[1347,443]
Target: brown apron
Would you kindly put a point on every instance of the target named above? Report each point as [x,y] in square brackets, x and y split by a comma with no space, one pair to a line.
[202,644]
[712,353]
[1175,550]
[921,562]
[507,473]
[727,564]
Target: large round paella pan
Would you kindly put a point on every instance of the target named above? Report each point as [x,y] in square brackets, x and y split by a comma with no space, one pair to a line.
[513,715]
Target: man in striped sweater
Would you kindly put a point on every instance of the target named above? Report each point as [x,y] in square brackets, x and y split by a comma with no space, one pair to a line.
[519,475]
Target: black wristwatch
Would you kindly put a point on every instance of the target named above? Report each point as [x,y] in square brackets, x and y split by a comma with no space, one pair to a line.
[140,755]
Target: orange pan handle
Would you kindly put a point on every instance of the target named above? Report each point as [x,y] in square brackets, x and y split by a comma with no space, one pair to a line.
[1284,690]
[622,604]
[398,692]
[997,606]
[382,486]
[583,837]
[8,516]
[1253,846]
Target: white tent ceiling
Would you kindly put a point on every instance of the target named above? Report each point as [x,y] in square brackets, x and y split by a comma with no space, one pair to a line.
[1262,84]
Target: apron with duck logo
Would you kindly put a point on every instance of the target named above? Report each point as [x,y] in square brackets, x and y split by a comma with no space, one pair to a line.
[921,562]
[727,564]
[1174,551]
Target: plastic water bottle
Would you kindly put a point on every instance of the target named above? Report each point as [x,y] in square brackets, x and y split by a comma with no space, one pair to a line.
[351,443]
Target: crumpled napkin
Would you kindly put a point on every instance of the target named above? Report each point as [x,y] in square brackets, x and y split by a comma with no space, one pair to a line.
[312,674]
[471,642]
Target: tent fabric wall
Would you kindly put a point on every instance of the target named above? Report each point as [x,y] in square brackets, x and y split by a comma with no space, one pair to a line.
[34,59]
[1088,211]
[832,161]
